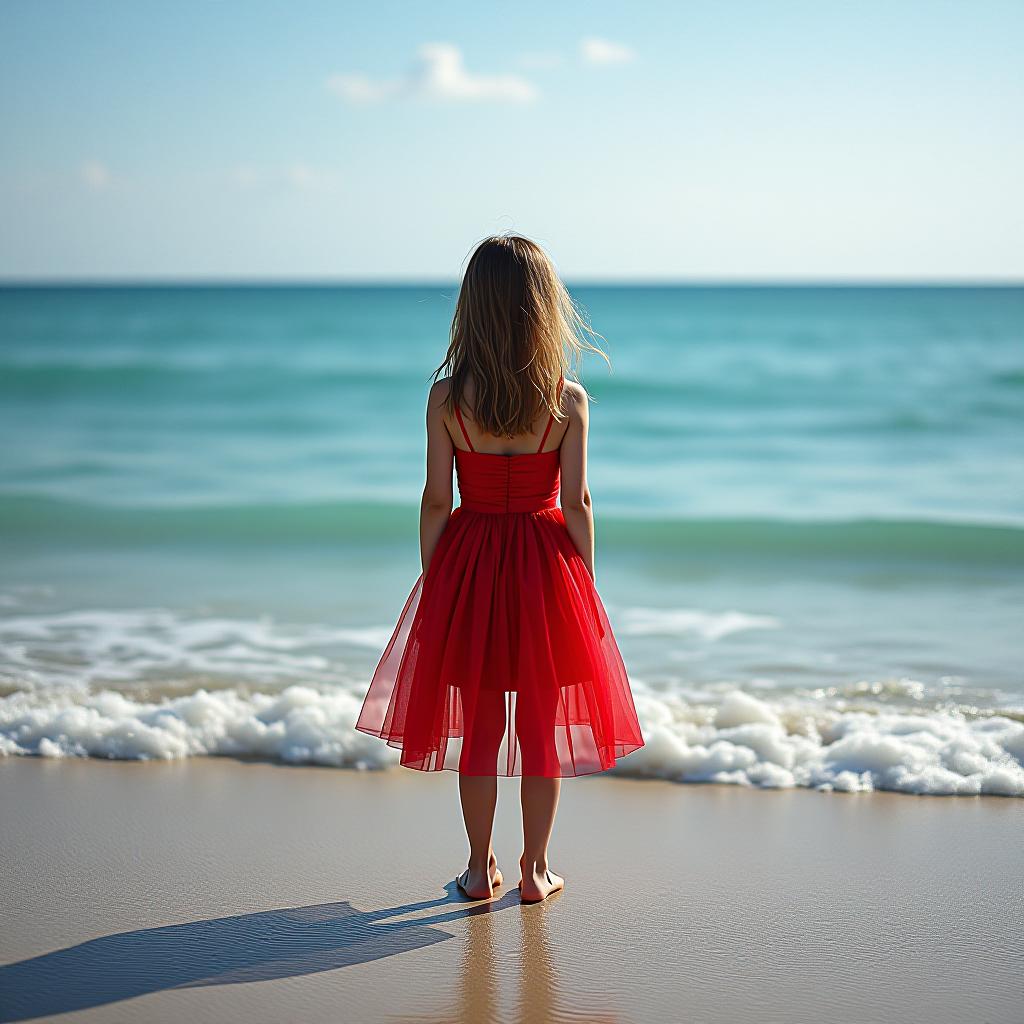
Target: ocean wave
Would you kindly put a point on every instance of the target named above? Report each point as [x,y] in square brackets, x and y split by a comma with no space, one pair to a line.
[738,739]
[159,651]
[710,626]
[28,517]
[157,648]
[176,376]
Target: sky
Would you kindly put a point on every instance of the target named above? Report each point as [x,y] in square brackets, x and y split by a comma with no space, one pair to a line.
[636,141]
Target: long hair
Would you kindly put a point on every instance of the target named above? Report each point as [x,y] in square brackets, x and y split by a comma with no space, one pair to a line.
[517,333]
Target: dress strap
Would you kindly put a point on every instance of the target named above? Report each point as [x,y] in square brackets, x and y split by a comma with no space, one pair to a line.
[547,430]
[465,433]
[551,419]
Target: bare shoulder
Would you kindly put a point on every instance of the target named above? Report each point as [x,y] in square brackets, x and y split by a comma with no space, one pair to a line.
[574,399]
[438,394]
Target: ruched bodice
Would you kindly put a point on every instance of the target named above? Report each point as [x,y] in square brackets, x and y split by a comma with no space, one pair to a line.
[507,483]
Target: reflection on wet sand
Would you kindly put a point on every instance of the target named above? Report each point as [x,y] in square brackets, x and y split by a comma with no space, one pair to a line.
[478,983]
[486,967]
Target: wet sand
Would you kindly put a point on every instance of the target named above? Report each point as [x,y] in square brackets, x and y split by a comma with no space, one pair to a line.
[217,890]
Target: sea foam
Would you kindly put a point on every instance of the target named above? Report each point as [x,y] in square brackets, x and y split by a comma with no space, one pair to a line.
[739,739]
[748,741]
[299,725]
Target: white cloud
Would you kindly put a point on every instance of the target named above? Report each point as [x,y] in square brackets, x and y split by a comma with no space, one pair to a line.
[601,51]
[95,174]
[443,76]
[440,75]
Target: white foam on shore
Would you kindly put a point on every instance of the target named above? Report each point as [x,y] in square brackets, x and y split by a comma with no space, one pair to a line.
[748,741]
[738,739]
[299,725]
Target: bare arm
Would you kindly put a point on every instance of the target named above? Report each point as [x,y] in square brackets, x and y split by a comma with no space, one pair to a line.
[436,506]
[575,494]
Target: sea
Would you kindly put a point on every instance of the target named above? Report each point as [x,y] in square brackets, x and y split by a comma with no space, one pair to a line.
[809,509]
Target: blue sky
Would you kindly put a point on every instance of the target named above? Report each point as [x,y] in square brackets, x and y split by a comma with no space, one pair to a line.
[762,140]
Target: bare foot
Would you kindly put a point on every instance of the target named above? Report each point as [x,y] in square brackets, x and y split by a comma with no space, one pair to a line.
[538,883]
[480,885]
[495,874]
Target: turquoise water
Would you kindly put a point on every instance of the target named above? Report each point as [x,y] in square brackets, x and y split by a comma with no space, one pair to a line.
[751,403]
[812,498]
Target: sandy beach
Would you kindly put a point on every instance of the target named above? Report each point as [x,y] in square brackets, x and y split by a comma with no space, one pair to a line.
[221,890]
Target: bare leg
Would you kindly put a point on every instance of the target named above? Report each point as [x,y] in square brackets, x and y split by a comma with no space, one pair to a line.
[479,795]
[478,790]
[540,802]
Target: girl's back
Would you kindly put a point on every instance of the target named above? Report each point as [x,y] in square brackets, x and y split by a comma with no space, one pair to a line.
[503,661]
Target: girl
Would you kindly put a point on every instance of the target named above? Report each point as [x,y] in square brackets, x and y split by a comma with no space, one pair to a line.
[503,661]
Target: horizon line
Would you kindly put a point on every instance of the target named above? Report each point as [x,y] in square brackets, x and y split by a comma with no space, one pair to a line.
[413,281]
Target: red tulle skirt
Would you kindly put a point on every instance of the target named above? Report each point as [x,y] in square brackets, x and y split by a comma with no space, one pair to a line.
[503,661]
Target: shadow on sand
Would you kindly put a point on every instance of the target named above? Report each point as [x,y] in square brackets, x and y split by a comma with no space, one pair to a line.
[225,951]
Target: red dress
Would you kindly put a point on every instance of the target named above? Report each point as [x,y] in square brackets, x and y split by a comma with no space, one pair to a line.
[503,661]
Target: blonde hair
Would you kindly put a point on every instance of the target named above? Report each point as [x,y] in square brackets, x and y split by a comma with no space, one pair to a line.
[517,333]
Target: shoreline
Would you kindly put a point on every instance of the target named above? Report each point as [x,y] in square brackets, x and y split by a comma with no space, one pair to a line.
[397,770]
[740,738]
[227,889]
